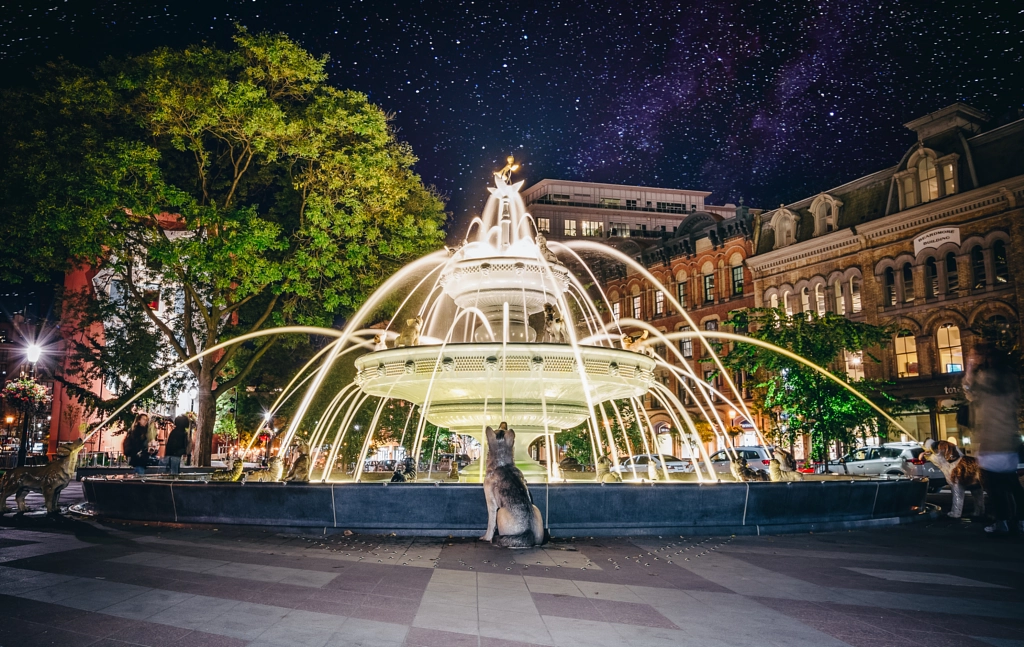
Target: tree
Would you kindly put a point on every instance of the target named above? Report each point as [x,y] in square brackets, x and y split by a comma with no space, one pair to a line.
[797,399]
[235,190]
[579,442]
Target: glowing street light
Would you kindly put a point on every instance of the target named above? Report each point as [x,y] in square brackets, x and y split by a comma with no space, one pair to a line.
[33,352]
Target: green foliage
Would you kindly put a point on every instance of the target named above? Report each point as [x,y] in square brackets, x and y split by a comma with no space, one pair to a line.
[798,399]
[579,443]
[226,425]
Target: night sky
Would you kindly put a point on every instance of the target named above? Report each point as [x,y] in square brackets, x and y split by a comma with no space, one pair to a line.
[768,101]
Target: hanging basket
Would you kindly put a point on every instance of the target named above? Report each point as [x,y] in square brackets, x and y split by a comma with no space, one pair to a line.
[25,394]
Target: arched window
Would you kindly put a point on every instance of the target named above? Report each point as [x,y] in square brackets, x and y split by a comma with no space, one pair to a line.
[825,211]
[787,303]
[889,278]
[931,278]
[977,268]
[855,295]
[906,354]
[773,301]
[840,299]
[952,275]
[805,300]
[819,299]
[784,223]
[908,283]
[907,192]
[999,261]
[951,354]
[927,178]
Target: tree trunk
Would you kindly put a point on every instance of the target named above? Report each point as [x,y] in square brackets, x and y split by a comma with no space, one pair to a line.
[206,403]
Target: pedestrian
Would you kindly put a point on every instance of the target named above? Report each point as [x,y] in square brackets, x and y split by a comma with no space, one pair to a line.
[993,389]
[177,445]
[136,443]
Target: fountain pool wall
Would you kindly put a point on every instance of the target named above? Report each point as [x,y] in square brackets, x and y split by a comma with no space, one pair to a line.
[569,509]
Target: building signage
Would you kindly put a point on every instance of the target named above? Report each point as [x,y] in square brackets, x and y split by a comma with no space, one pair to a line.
[936,238]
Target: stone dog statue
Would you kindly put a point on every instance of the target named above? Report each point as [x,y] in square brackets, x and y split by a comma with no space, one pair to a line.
[604,471]
[230,475]
[299,471]
[411,335]
[782,467]
[512,519]
[273,473]
[742,472]
[48,479]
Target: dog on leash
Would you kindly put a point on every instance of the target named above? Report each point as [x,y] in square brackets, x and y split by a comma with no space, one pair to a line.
[48,479]
[962,473]
[512,519]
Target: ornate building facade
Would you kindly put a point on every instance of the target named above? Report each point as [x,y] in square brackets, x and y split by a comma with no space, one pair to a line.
[931,246]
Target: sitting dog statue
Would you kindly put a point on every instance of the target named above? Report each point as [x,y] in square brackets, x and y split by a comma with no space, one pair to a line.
[411,335]
[230,475]
[962,473]
[742,472]
[48,479]
[542,244]
[604,471]
[512,519]
[379,342]
[782,467]
[299,471]
[554,325]
[410,468]
[399,475]
[637,345]
[273,473]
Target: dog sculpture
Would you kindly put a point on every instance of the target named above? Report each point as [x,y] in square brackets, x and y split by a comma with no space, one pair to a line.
[782,467]
[742,472]
[554,325]
[234,473]
[542,244]
[49,479]
[399,475]
[512,519]
[273,473]
[379,342]
[962,473]
[637,345]
[411,335]
[299,471]
[604,471]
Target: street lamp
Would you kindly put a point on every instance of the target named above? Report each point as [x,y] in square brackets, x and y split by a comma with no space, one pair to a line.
[32,353]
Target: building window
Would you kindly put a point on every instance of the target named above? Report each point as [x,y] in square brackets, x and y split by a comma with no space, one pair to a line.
[855,295]
[819,299]
[709,288]
[931,278]
[805,301]
[709,377]
[977,268]
[773,301]
[544,225]
[952,275]
[787,303]
[840,299]
[631,204]
[907,192]
[686,344]
[949,178]
[637,307]
[855,365]
[906,355]
[824,210]
[560,197]
[616,311]
[711,325]
[610,203]
[999,261]
[671,207]
[951,354]
[570,227]
[620,229]
[737,280]
[908,283]
[681,293]
[592,228]
[659,303]
[889,293]
[927,178]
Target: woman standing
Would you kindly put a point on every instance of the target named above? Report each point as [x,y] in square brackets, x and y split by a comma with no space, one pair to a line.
[993,389]
[136,443]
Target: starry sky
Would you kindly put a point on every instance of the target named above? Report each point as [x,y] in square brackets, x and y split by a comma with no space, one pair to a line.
[761,100]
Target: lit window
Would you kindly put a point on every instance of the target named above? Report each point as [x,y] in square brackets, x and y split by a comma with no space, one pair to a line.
[686,345]
[544,225]
[709,288]
[999,260]
[609,203]
[952,275]
[737,280]
[855,295]
[890,286]
[805,300]
[931,277]
[949,178]
[951,354]
[637,308]
[616,311]
[906,355]
[560,197]
[907,192]
[855,365]
[927,179]
[819,299]
[908,283]
[570,227]
[787,303]
[681,293]
[659,303]
[620,229]
[773,301]
[592,228]
[711,325]
[840,299]
[977,268]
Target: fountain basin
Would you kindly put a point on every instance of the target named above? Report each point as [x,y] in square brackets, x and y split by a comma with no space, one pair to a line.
[569,509]
[541,384]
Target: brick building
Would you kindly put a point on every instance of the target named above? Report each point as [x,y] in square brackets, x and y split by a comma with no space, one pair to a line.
[931,245]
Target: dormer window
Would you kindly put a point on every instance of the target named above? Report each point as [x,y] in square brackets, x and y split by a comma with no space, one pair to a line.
[784,223]
[825,211]
[926,178]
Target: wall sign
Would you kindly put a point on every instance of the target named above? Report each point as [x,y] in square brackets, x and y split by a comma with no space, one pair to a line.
[936,238]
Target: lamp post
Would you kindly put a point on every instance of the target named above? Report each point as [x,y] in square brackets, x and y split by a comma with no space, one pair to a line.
[32,353]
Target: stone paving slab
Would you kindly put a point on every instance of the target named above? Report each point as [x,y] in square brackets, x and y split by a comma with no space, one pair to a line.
[938,584]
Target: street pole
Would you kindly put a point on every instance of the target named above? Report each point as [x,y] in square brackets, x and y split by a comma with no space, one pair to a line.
[33,352]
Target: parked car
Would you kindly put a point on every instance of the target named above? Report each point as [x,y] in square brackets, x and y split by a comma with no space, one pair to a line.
[890,459]
[914,464]
[758,457]
[642,461]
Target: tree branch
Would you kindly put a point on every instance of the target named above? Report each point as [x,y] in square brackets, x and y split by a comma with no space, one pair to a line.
[260,352]
[230,351]
[163,327]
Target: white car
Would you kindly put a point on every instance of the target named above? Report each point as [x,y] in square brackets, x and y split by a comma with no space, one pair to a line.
[890,459]
[643,462]
[758,457]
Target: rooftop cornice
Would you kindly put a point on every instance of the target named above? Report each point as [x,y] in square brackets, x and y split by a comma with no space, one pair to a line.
[599,185]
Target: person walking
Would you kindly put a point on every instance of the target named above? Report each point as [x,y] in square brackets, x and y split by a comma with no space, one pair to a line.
[136,444]
[177,445]
[993,390]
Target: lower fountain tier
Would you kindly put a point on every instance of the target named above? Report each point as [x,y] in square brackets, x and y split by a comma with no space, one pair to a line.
[540,384]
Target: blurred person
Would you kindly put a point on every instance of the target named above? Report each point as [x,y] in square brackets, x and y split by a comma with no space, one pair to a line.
[177,445]
[993,389]
[136,443]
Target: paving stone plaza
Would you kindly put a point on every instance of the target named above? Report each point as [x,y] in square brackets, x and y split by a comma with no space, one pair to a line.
[935,583]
